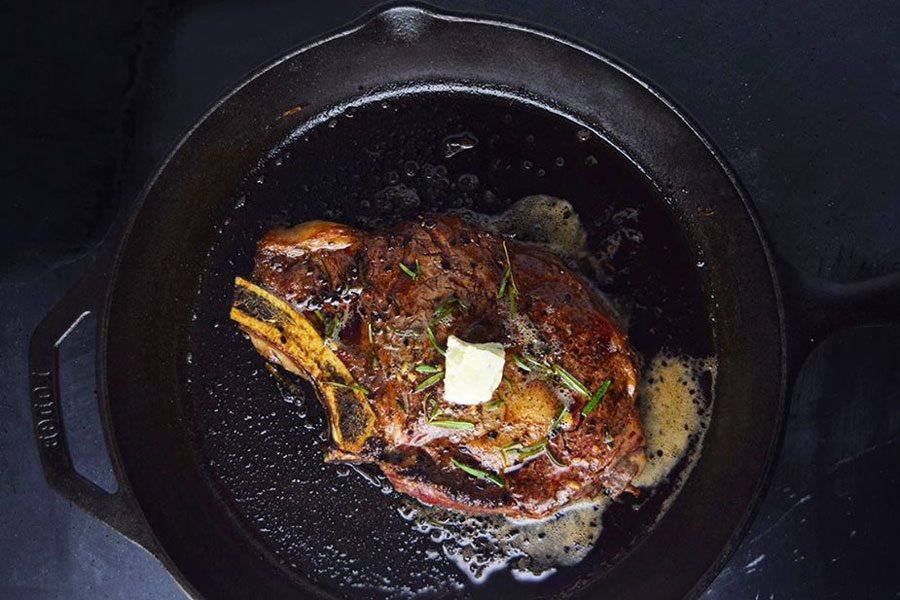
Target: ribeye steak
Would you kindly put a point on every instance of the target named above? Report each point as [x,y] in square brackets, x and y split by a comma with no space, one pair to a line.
[365,317]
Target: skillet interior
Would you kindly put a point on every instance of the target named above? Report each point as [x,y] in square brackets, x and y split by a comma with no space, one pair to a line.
[226,473]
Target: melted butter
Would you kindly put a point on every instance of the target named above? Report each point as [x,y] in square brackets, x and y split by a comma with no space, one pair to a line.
[532,549]
[540,219]
[545,220]
[674,412]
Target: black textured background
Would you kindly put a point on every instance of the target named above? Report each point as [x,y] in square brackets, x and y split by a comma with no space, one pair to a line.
[802,97]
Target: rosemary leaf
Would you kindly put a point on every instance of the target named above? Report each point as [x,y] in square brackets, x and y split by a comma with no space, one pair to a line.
[570,381]
[349,386]
[430,381]
[448,424]
[503,282]
[440,317]
[447,307]
[558,419]
[532,449]
[537,364]
[478,473]
[508,283]
[435,411]
[434,341]
[442,306]
[412,274]
[427,369]
[521,363]
[595,399]
[553,459]
[512,280]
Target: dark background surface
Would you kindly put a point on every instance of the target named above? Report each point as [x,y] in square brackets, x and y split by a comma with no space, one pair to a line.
[803,100]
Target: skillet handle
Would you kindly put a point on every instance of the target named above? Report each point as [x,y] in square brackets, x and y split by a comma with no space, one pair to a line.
[118,510]
[815,308]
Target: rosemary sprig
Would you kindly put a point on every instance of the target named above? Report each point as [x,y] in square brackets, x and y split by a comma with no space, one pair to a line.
[445,423]
[446,308]
[427,369]
[319,314]
[547,369]
[532,449]
[435,410]
[529,363]
[479,473]
[349,386]
[508,285]
[595,399]
[570,381]
[558,420]
[434,341]
[430,381]
[502,289]
[521,363]
[495,403]
[371,337]
[542,445]
[412,274]
[553,459]
[448,424]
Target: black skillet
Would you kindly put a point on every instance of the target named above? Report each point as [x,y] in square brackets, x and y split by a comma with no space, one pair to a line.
[222,481]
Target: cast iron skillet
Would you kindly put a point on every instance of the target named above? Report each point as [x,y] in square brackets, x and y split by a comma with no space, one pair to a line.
[248,511]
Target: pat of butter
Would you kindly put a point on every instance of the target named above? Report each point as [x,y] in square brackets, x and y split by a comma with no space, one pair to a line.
[472,371]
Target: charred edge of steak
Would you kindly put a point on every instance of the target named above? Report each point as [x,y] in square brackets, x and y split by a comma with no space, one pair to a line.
[417,475]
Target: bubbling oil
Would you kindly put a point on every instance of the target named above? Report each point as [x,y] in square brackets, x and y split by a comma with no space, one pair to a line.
[674,399]
[532,549]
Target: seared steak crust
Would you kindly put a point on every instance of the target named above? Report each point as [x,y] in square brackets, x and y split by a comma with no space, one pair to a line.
[371,297]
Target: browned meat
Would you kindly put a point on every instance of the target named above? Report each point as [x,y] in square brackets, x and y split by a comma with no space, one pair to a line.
[334,305]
